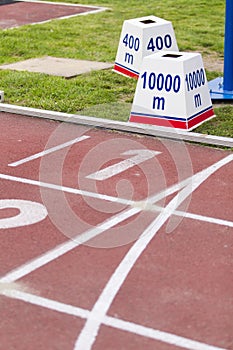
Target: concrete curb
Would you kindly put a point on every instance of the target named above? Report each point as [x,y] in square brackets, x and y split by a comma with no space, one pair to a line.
[143,129]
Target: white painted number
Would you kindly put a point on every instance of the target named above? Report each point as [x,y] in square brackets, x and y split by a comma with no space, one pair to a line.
[29,213]
[139,156]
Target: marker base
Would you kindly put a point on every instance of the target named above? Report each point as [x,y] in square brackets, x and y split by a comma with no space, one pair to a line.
[217,91]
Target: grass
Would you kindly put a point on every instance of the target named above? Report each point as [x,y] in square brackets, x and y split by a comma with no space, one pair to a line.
[198,27]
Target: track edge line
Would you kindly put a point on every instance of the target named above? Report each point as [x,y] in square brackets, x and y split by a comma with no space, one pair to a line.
[130,127]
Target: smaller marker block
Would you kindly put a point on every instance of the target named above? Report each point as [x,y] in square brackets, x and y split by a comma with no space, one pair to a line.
[141,37]
[172,91]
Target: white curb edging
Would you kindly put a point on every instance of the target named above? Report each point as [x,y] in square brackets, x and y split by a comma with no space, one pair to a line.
[143,129]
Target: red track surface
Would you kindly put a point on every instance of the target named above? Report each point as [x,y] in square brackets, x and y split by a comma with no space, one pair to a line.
[18,13]
[180,284]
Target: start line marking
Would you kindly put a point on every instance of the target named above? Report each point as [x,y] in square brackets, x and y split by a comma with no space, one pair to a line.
[141,205]
[108,320]
[90,330]
[60,250]
[98,315]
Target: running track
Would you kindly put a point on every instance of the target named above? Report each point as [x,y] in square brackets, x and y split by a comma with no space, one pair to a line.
[149,263]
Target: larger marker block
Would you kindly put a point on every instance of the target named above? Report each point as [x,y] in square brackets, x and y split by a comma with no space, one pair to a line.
[172,91]
[141,37]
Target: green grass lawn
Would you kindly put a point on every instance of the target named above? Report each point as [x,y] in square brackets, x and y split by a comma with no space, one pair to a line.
[199,26]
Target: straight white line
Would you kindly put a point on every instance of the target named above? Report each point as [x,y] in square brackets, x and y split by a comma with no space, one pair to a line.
[192,216]
[46,303]
[90,12]
[202,179]
[203,218]
[63,248]
[62,3]
[144,205]
[48,151]
[66,189]
[93,10]
[151,333]
[90,331]
[109,321]
[60,250]
[38,262]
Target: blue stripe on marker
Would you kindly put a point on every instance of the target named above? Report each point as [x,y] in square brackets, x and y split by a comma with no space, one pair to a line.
[158,116]
[197,114]
[127,68]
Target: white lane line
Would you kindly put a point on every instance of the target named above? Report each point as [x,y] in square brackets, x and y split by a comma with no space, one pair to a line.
[46,303]
[60,250]
[48,151]
[122,325]
[63,248]
[38,262]
[192,216]
[90,330]
[203,218]
[139,156]
[146,204]
[155,334]
[66,189]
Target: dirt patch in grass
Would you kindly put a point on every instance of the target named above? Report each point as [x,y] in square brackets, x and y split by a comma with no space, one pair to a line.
[212,62]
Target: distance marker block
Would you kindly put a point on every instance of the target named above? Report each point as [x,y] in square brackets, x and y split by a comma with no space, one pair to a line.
[172,91]
[141,37]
